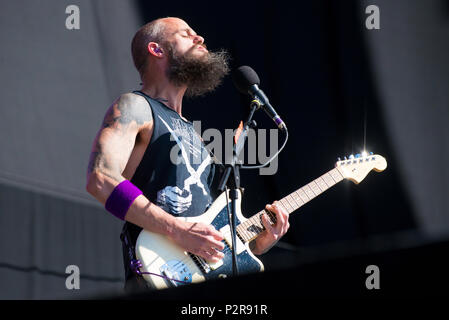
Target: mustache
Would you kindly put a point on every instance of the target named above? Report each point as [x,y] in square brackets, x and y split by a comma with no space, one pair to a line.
[196,47]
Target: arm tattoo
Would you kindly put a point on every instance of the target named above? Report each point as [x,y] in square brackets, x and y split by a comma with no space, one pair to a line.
[128,110]
[252,246]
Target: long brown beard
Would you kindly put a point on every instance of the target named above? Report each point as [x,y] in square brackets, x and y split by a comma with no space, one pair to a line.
[200,74]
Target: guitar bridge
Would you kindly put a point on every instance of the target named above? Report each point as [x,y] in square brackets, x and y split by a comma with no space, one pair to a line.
[200,262]
[176,273]
[205,266]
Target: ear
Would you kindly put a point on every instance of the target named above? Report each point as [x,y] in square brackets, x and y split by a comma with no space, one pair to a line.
[155,49]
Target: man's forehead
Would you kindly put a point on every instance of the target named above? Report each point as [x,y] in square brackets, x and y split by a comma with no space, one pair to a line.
[176,25]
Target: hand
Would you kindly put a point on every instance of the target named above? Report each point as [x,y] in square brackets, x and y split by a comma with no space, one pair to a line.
[272,233]
[200,239]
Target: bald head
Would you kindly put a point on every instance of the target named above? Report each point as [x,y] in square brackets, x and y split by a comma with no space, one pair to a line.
[153,31]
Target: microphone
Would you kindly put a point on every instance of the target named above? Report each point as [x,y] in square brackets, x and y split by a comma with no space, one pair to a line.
[247,81]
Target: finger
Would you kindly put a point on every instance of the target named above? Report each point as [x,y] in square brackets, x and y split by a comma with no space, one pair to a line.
[280,218]
[273,220]
[215,233]
[287,226]
[213,259]
[282,210]
[215,244]
[207,256]
[283,216]
[212,251]
[283,224]
[213,255]
[271,208]
[219,254]
[266,223]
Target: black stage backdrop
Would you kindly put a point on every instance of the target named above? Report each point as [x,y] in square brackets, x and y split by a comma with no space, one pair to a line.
[339,86]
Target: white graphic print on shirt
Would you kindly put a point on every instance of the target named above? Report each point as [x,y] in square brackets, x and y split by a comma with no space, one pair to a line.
[172,198]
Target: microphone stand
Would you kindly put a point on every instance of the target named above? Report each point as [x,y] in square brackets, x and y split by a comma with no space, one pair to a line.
[233,166]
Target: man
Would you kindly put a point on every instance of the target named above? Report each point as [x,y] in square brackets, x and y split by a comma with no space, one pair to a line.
[133,169]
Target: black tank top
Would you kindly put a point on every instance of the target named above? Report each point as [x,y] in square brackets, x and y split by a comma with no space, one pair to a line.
[176,171]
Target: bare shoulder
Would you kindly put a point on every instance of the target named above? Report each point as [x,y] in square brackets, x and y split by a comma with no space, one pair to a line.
[128,109]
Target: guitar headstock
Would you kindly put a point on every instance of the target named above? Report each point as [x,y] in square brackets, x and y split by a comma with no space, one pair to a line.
[356,168]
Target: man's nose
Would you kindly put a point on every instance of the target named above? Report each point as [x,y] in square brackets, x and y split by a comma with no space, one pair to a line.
[198,39]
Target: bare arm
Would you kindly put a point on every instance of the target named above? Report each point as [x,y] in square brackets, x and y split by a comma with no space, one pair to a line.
[110,154]
[114,143]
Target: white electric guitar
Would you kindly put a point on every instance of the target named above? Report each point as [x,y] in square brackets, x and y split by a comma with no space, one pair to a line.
[164,264]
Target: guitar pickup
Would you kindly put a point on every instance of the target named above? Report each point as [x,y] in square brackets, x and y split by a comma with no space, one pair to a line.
[215,265]
[226,231]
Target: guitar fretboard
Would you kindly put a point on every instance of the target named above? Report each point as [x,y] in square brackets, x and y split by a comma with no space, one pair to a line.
[251,228]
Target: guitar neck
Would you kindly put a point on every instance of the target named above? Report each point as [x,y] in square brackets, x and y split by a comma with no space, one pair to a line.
[251,228]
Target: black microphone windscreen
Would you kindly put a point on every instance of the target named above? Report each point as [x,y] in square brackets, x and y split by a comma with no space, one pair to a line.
[244,77]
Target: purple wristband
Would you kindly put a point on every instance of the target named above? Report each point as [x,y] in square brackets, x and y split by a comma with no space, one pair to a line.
[121,199]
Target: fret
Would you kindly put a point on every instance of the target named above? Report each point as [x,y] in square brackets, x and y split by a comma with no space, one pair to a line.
[336,175]
[328,179]
[255,229]
[340,174]
[293,200]
[252,228]
[315,188]
[309,192]
[291,203]
[298,198]
[247,234]
[272,217]
[303,195]
[283,202]
[241,233]
[241,230]
[322,184]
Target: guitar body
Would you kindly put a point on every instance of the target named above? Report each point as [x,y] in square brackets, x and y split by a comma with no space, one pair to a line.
[161,256]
